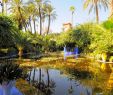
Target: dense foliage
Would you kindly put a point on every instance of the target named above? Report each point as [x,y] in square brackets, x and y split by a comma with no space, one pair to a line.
[7,29]
[89,37]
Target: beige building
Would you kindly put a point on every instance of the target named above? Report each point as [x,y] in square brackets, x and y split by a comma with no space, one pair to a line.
[67,26]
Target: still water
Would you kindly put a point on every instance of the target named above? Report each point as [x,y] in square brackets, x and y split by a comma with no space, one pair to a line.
[56,82]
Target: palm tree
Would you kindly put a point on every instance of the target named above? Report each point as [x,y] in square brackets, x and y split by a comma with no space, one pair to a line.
[43,17]
[21,40]
[40,4]
[17,10]
[72,9]
[31,13]
[95,5]
[51,14]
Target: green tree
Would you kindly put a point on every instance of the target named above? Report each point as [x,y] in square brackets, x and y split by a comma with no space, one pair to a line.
[7,29]
[108,25]
[72,9]
[95,5]
[101,40]
[22,41]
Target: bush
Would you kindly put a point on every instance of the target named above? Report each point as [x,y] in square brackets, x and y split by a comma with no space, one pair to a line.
[111,59]
[7,28]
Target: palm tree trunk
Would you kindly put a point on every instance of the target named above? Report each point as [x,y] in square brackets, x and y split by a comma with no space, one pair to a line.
[30,25]
[34,26]
[25,26]
[19,24]
[20,53]
[111,14]
[72,19]
[49,20]
[97,14]
[6,8]
[40,20]
[2,7]
[23,21]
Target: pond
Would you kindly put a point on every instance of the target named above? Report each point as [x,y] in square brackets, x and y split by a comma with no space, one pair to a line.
[58,77]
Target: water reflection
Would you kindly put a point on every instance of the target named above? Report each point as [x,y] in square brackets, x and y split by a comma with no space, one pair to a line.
[37,78]
[54,82]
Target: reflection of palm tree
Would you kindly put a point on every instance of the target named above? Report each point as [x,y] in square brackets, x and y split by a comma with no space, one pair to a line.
[40,78]
[70,90]
[45,87]
[34,76]
[29,76]
[48,77]
[50,85]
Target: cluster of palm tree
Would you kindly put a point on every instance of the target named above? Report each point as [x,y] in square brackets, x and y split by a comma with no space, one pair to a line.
[30,15]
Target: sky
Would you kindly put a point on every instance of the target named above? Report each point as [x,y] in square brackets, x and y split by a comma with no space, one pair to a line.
[80,16]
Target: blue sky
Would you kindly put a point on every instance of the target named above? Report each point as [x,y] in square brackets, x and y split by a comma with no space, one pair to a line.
[80,16]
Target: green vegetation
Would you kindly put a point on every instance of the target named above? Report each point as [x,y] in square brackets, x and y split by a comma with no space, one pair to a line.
[89,37]
[19,30]
[7,30]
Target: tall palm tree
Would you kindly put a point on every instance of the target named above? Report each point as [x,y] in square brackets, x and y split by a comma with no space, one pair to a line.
[72,9]
[51,14]
[16,9]
[95,5]
[31,13]
[40,4]
[43,17]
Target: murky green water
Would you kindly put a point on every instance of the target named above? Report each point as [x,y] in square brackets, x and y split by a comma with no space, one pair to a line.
[55,82]
[70,77]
